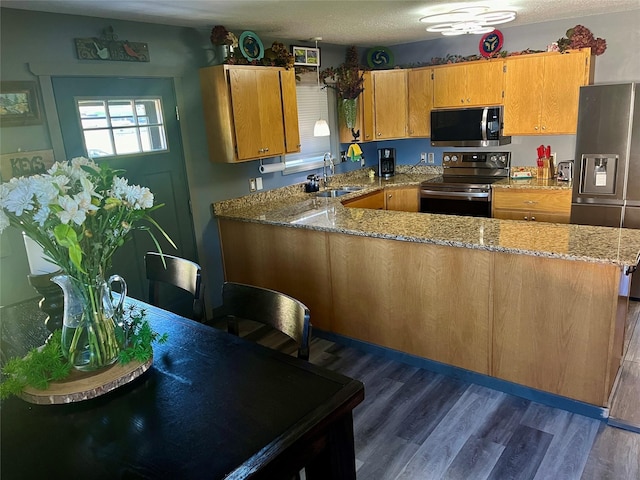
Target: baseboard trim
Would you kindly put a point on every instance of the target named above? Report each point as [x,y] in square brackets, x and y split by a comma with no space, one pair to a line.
[622,424]
[545,398]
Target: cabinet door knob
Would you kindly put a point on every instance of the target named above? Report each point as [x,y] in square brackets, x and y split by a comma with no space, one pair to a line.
[535,128]
[266,149]
[526,217]
[533,218]
[544,128]
[379,133]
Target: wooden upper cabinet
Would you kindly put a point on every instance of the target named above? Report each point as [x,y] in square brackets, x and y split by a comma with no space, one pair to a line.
[258,118]
[390,102]
[542,91]
[290,110]
[246,109]
[368,122]
[420,86]
[468,84]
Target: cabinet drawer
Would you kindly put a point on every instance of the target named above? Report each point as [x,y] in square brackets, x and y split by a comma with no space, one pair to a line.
[555,201]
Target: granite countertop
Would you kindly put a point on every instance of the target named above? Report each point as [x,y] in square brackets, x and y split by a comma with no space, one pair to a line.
[292,207]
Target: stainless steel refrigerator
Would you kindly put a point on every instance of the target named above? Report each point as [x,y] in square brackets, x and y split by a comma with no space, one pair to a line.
[606,184]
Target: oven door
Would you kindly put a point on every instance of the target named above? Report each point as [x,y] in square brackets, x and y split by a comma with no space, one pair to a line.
[473,201]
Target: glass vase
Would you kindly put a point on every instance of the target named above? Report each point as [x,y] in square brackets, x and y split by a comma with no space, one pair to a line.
[92,325]
[349,110]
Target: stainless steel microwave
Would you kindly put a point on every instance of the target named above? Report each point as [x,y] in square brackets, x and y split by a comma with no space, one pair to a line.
[468,127]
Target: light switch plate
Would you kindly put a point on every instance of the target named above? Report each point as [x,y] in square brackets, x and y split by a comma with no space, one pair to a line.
[252,184]
[259,183]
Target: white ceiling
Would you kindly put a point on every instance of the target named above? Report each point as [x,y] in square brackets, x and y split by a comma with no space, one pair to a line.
[363,23]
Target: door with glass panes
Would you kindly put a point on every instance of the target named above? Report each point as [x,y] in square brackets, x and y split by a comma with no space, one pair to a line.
[131,124]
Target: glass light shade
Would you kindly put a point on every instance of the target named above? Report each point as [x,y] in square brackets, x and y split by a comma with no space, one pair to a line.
[472,20]
[321,129]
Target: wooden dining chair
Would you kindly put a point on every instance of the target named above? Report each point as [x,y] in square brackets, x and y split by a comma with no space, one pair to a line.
[268,307]
[177,272]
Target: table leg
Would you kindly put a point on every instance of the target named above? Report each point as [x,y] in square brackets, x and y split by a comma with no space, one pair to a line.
[337,460]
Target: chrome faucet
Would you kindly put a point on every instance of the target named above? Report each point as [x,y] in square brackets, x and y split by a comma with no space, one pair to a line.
[332,168]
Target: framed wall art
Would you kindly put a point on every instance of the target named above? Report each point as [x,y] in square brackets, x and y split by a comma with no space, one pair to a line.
[19,104]
[306,56]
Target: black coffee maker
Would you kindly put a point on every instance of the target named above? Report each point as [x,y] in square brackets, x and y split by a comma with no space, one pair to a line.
[386,162]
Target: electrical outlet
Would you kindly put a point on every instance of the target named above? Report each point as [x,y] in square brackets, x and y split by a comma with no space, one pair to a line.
[252,184]
[431,159]
[259,183]
[423,157]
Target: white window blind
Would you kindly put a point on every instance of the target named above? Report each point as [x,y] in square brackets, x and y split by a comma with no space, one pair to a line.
[312,105]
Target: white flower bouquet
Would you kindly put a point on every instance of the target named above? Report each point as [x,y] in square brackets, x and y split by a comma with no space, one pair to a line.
[80,213]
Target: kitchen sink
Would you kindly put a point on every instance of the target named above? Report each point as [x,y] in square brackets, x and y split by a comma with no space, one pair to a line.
[337,192]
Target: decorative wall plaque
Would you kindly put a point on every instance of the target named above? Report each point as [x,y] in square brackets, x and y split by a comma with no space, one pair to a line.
[21,164]
[108,47]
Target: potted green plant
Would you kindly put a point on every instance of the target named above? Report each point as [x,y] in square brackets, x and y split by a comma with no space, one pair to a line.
[347,80]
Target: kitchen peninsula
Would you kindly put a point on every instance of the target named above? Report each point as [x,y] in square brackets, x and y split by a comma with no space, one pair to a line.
[541,305]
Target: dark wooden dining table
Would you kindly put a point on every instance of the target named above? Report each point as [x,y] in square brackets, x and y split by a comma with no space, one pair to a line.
[211,406]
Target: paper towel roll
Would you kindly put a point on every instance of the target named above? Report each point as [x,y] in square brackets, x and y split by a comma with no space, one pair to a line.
[272,167]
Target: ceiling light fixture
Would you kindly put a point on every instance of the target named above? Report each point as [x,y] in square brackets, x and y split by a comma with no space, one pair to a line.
[471,20]
[321,127]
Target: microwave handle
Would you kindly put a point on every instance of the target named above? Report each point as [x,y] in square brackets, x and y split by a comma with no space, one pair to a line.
[483,123]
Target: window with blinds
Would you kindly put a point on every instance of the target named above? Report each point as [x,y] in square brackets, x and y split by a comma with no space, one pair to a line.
[312,105]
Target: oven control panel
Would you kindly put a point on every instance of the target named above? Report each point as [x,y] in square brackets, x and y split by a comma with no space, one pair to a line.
[490,160]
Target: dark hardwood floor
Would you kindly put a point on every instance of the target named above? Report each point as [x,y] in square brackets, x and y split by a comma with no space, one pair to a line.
[419,425]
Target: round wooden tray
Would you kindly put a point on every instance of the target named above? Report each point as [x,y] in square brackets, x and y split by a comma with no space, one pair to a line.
[79,386]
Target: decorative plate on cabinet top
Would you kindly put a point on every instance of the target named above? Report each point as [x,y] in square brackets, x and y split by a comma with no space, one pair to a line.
[251,46]
[491,43]
[380,57]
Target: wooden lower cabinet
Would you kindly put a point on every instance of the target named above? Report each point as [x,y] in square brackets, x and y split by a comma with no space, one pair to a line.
[374,200]
[554,325]
[404,199]
[541,205]
[398,295]
[290,260]
[550,324]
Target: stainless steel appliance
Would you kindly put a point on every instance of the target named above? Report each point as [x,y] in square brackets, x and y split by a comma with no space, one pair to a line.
[386,162]
[465,185]
[468,127]
[565,171]
[606,189]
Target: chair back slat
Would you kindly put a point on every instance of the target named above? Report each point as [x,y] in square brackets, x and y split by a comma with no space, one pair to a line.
[176,271]
[276,309]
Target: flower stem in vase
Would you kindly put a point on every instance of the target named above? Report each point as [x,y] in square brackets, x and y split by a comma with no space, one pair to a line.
[89,334]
